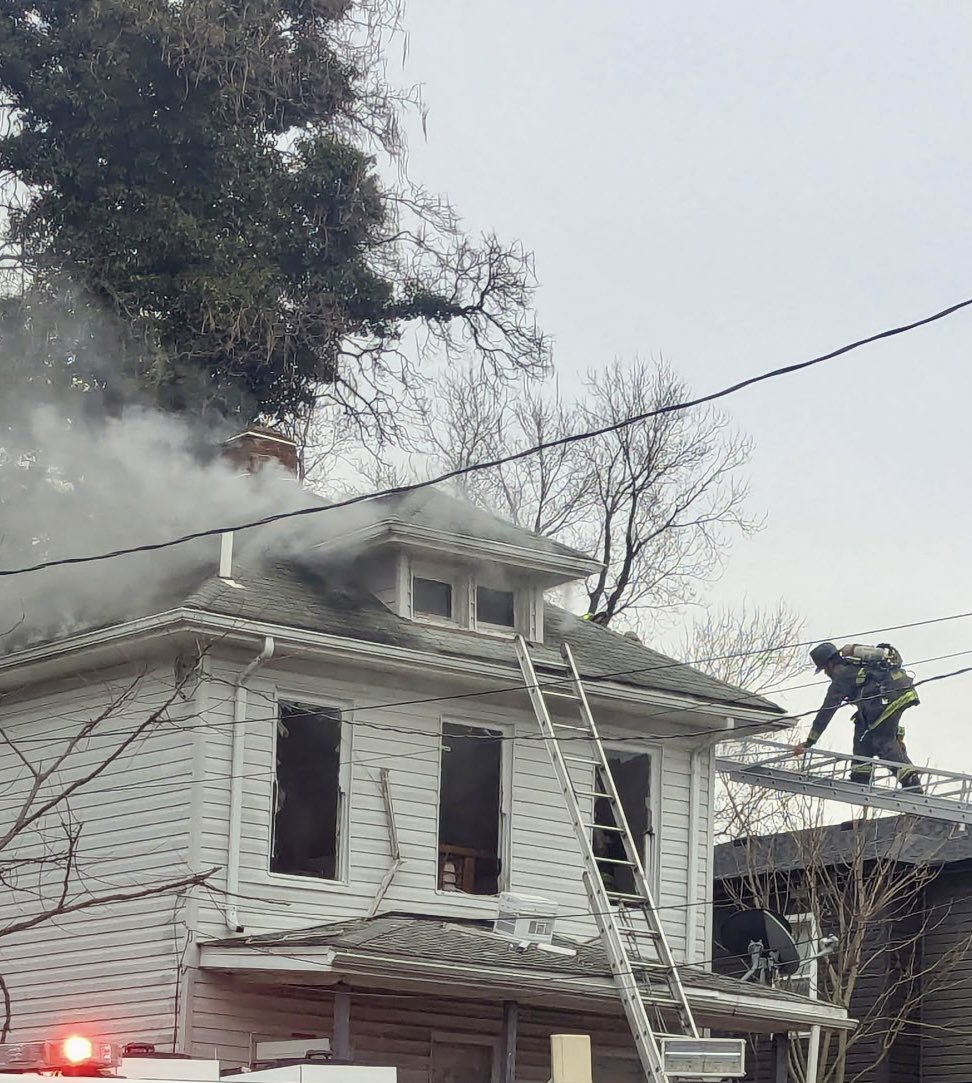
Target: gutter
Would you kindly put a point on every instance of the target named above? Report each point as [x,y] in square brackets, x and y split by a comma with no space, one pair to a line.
[335,963]
[236,786]
[229,627]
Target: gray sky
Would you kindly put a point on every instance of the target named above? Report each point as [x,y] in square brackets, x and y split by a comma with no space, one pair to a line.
[735,187]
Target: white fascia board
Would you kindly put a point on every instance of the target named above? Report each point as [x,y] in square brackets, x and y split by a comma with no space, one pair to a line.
[294,960]
[744,1007]
[234,630]
[420,661]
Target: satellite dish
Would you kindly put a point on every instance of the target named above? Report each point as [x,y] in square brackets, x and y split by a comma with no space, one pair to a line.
[765,939]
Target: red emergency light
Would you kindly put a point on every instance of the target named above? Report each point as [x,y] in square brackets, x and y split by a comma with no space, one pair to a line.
[75,1054]
[77,1049]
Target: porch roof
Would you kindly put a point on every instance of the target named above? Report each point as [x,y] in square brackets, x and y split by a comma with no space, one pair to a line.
[397,950]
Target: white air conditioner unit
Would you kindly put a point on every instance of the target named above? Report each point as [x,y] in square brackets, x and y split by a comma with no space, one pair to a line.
[526,918]
[704,1058]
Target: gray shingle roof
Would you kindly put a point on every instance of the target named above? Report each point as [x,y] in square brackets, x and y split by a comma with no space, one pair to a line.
[430,507]
[472,943]
[294,595]
[311,592]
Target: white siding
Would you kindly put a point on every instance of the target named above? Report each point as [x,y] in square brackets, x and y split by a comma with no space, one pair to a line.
[405,740]
[111,968]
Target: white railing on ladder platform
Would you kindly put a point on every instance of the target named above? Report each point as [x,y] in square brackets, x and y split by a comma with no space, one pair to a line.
[946,795]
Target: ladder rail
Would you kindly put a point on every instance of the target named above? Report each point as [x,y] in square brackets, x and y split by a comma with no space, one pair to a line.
[818,772]
[666,957]
[615,923]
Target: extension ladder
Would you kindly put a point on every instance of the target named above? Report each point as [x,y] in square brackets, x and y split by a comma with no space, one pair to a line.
[819,773]
[633,938]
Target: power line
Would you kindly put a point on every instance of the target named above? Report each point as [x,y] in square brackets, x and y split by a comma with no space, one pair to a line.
[502,460]
[660,713]
[591,678]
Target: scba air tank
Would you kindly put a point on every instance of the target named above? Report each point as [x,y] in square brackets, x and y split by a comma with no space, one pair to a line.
[861,652]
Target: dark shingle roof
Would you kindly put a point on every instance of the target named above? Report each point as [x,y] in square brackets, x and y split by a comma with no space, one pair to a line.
[309,591]
[471,943]
[910,840]
[294,595]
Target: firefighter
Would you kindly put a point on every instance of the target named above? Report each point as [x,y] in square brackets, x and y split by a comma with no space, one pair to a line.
[873,680]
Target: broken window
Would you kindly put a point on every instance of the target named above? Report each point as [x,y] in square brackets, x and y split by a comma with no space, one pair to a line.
[308,798]
[631,772]
[470,805]
[431,597]
[494,607]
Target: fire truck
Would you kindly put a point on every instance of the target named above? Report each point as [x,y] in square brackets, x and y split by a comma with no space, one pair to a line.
[294,1061]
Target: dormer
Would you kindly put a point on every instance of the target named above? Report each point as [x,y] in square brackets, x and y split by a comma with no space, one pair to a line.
[436,560]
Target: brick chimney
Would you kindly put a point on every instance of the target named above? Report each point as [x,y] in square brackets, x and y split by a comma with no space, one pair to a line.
[253,448]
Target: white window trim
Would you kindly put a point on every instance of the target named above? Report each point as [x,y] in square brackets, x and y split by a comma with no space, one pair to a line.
[508,630]
[494,1042]
[506,730]
[345,776]
[460,589]
[652,749]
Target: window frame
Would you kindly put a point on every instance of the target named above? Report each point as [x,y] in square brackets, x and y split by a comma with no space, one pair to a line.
[651,850]
[489,626]
[505,826]
[422,614]
[455,578]
[345,779]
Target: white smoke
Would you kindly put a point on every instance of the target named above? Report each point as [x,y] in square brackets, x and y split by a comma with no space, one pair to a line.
[135,479]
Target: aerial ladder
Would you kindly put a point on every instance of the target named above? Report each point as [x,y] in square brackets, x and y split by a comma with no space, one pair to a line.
[819,773]
[647,977]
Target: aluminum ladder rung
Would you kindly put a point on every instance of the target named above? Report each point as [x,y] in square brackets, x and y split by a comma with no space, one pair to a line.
[645,986]
[818,773]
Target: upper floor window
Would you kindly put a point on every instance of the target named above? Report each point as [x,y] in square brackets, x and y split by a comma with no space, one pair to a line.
[309,793]
[432,598]
[631,774]
[495,607]
[472,803]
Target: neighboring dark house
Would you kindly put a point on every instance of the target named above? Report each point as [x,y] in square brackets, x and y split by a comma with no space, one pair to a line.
[913,995]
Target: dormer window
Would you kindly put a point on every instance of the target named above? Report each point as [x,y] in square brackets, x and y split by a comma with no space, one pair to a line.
[495,607]
[432,598]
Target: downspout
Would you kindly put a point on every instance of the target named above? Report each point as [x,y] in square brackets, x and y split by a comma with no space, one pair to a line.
[236,786]
[692,900]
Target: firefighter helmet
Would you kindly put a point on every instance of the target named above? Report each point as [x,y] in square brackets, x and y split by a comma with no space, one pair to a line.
[822,653]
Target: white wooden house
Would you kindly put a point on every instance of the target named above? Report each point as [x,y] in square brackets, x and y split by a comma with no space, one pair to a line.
[356,758]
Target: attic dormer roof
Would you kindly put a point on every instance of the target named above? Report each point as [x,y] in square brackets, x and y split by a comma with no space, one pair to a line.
[430,519]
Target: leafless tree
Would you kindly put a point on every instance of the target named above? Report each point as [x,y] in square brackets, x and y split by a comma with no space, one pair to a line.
[657,502]
[748,646]
[42,857]
[869,889]
[751,648]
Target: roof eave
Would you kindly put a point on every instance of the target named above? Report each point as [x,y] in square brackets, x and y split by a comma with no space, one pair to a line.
[726,719]
[747,1008]
[556,568]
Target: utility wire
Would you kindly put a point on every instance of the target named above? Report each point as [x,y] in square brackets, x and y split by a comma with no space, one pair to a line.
[366,723]
[502,460]
[593,679]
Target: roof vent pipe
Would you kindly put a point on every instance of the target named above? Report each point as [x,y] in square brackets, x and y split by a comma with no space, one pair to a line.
[226,555]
